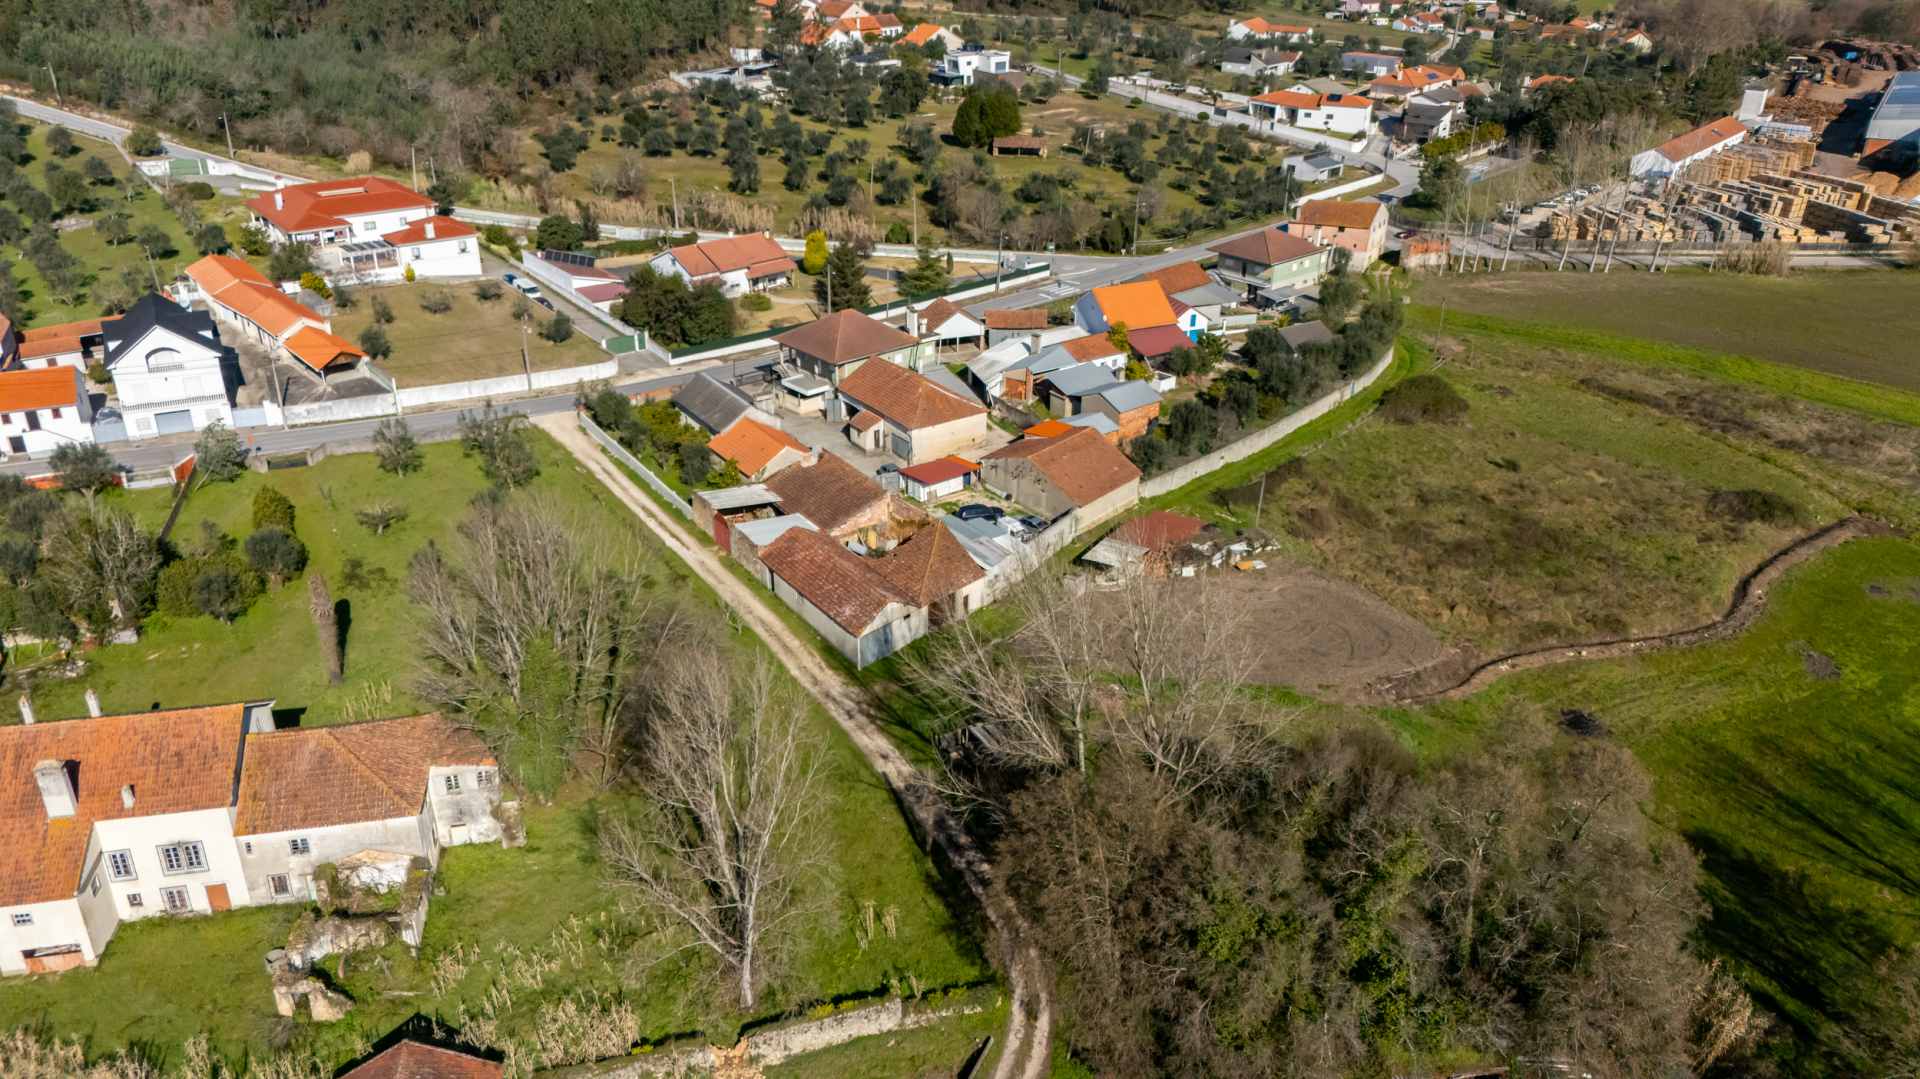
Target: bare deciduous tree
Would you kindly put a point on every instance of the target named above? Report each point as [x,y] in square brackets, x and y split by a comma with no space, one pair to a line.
[733,778]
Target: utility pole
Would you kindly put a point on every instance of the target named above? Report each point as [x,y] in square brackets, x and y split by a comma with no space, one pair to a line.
[915,199]
[1136,224]
[228,128]
[829,288]
[413,162]
[525,360]
[56,87]
[675,188]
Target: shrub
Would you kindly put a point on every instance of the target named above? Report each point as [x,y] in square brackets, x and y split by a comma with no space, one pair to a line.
[373,342]
[143,141]
[99,375]
[757,302]
[199,191]
[558,329]
[1422,399]
[1753,506]
[316,284]
[696,461]
[436,302]
[488,291]
[382,311]
[408,276]
[381,516]
[271,509]
[274,552]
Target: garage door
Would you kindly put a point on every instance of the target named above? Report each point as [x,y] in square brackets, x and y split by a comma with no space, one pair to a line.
[175,423]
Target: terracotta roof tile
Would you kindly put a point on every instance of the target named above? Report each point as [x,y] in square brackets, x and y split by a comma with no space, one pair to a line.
[922,33]
[1701,139]
[1268,247]
[444,228]
[1337,214]
[830,492]
[1159,529]
[318,777]
[753,444]
[843,337]
[54,340]
[755,252]
[909,399]
[1032,318]
[319,349]
[1090,347]
[1083,465]
[328,203]
[847,588]
[940,471]
[930,566]
[247,291]
[1049,429]
[939,312]
[1179,277]
[413,1060]
[176,761]
[40,387]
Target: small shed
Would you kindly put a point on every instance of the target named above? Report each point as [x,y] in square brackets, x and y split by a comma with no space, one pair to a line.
[1020,146]
[1422,253]
[717,512]
[935,480]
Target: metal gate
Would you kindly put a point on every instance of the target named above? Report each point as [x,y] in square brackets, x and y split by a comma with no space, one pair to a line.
[175,423]
[720,530]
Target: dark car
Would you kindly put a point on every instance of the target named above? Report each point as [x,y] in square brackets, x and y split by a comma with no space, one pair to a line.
[1407,235]
[1032,522]
[886,468]
[543,302]
[977,512]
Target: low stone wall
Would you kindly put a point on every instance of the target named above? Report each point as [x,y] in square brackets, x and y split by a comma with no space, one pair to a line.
[1260,440]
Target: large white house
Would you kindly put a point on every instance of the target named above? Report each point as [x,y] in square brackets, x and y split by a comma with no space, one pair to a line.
[43,408]
[1347,114]
[116,818]
[1259,29]
[959,67]
[369,228]
[169,368]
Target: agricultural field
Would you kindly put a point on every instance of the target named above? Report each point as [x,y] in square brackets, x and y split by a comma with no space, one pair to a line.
[472,339]
[1858,324]
[522,938]
[99,260]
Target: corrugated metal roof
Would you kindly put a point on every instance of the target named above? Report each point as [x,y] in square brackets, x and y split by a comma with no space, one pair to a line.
[767,529]
[733,498]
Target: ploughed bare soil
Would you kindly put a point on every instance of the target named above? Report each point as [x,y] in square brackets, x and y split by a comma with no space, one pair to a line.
[1315,632]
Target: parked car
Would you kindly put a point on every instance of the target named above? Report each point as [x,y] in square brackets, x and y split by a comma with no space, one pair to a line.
[886,468]
[525,285]
[541,300]
[1035,523]
[978,512]
[1407,235]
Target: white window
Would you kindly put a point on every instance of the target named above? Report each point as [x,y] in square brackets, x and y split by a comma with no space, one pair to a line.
[56,413]
[463,247]
[366,226]
[183,858]
[416,253]
[278,884]
[300,846]
[144,423]
[93,886]
[23,918]
[453,784]
[178,901]
[484,777]
[134,900]
[120,864]
[249,848]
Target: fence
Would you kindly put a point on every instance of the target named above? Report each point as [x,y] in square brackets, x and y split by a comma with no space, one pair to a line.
[561,282]
[621,455]
[1260,440]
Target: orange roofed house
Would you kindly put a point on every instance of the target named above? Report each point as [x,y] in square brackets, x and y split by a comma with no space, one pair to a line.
[241,296]
[1080,472]
[760,449]
[410,1059]
[736,264]
[369,228]
[907,414]
[870,608]
[197,810]
[1137,305]
[43,408]
[1360,227]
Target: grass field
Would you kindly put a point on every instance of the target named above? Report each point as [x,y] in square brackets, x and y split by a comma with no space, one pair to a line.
[1798,791]
[271,651]
[518,934]
[1857,323]
[474,340]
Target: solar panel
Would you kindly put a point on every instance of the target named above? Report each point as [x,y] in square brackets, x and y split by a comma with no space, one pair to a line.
[568,258]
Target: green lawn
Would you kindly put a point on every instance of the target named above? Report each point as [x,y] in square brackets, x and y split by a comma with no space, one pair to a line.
[101,259]
[1800,794]
[473,340]
[1857,323]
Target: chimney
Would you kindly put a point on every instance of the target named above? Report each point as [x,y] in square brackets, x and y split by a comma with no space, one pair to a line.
[56,788]
[279,201]
[93,704]
[429,230]
[26,709]
[126,796]
[913,322]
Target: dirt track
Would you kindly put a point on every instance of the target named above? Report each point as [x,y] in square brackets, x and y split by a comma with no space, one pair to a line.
[1749,599]
[1027,1037]
[1317,631]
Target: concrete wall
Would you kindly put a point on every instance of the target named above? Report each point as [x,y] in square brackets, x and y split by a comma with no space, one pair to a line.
[272,853]
[965,436]
[1260,440]
[1025,484]
[470,803]
[54,924]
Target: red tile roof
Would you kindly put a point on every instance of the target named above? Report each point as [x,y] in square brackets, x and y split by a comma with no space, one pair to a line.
[1268,247]
[1701,139]
[931,565]
[318,777]
[755,252]
[1158,530]
[239,286]
[607,290]
[1032,318]
[1083,465]
[40,387]
[1179,277]
[1090,347]
[843,337]
[1337,214]
[176,761]
[443,228]
[54,340]
[1139,305]
[922,34]
[946,468]
[847,588]
[327,204]
[939,313]
[413,1060]
[1049,429]
[1158,340]
[319,349]
[1545,80]
[909,399]
[830,492]
[753,444]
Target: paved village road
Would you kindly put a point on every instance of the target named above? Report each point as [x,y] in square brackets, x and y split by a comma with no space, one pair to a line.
[1027,1037]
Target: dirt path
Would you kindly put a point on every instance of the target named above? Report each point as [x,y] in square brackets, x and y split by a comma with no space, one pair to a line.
[1026,973]
[1749,599]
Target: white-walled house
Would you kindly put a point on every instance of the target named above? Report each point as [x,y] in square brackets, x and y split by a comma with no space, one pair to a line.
[959,67]
[736,264]
[338,211]
[1347,114]
[1259,29]
[436,246]
[169,368]
[110,819]
[43,408]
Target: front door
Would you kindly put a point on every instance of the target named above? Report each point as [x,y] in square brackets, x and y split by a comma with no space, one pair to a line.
[217,897]
[33,420]
[17,444]
[175,423]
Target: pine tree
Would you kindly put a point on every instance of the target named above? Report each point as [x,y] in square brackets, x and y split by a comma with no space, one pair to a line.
[926,276]
[969,126]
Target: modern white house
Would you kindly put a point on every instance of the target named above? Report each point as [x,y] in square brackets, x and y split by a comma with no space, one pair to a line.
[370,229]
[169,368]
[44,408]
[1346,114]
[959,67]
[1258,63]
[736,264]
[116,818]
[433,246]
